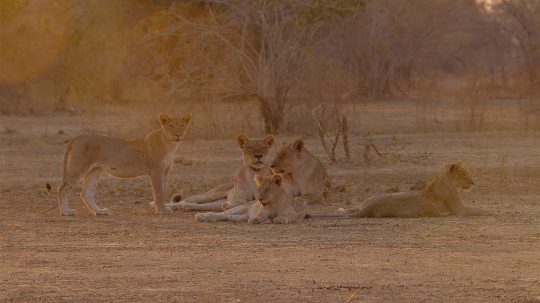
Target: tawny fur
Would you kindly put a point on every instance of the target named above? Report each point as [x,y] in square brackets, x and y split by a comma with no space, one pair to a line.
[438,198]
[87,156]
[274,204]
[303,174]
[243,189]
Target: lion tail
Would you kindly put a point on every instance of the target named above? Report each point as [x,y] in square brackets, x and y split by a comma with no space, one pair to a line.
[67,154]
[48,188]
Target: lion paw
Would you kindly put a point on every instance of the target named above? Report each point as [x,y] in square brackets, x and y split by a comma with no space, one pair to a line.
[280,220]
[200,217]
[172,206]
[164,211]
[182,206]
[226,205]
[255,220]
[102,212]
[68,212]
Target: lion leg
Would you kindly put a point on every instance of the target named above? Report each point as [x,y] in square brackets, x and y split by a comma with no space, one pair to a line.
[87,194]
[212,206]
[71,177]
[281,220]
[62,200]
[237,214]
[263,217]
[217,193]
[361,213]
[159,195]
[312,198]
[238,218]
[165,182]
[217,217]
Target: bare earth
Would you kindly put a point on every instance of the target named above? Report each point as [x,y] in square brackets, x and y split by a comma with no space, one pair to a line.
[136,256]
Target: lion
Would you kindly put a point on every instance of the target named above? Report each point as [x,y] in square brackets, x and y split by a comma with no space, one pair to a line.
[87,156]
[439,197]
[243,189]
[274,204]
[303,174]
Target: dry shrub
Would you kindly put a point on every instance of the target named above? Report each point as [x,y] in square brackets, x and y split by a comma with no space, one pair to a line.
[427,94]
[529,103]
[331,121]
[473,103]
[298,120]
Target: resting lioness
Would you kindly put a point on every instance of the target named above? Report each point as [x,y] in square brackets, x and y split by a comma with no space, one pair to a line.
[303,174]
[274,204]
[87,156]
[243,190]
[439,197]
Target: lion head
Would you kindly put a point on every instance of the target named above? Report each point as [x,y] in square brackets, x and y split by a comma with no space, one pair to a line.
[459,176]
[255,151]
[289,158]
[267,188]
[175,128]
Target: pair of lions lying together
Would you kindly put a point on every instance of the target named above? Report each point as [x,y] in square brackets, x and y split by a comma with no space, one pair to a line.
[262,191]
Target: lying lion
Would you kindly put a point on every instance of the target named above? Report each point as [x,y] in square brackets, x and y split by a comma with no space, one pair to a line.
[303,174]
[87,156]
[274,204]
[243,190]
[439,197]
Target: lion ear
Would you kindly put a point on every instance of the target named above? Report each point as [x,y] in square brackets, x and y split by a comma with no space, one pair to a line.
[258,180]
[269,140]
[242,140]
[163,118]
[298,145]
[277,179]
[187,117]
[454,167]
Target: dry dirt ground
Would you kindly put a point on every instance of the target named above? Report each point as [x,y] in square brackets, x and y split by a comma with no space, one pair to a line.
[136,256]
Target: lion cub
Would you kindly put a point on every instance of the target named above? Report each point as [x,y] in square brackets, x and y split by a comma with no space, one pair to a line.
[273,204]
[87,156]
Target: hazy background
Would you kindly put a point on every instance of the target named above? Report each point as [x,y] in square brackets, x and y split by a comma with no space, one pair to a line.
[384,92]
[434,65]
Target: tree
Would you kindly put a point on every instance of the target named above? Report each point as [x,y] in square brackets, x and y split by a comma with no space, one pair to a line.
[389,43]
[522,20]
[269,40]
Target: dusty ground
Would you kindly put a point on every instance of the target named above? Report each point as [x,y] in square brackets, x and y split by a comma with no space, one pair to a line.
[134,255]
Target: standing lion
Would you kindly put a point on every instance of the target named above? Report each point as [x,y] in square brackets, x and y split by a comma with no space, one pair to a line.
[87,156]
